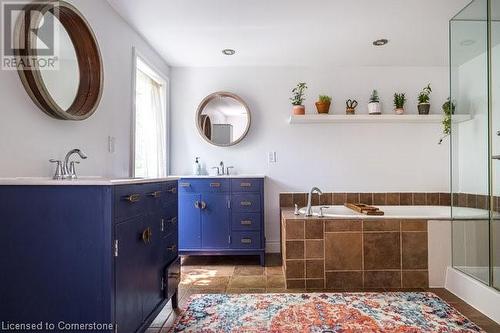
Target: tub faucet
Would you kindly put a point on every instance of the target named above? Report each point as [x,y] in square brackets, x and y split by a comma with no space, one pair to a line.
[69,169]
[309,209]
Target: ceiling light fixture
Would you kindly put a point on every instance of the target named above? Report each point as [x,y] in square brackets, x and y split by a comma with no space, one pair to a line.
[380,42]
[228,52]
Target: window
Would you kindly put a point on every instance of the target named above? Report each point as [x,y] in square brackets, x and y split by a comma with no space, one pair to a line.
[150,122]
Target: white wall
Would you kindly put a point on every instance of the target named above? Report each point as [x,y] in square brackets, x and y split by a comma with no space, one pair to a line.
[335,157]
[28,137]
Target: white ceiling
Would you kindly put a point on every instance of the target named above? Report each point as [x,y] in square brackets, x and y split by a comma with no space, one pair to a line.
[294,33]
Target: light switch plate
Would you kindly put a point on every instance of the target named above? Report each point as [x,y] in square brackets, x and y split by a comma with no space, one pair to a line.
[111,144]
[272,157]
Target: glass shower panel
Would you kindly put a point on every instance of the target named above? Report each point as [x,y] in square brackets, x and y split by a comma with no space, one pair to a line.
[470,160]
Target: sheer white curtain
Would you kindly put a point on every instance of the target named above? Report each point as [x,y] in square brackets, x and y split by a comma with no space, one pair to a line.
[150,128]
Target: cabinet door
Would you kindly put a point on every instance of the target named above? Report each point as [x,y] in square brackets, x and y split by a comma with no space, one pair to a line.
[215,221]
[152,265]
[129,275]
[189,221]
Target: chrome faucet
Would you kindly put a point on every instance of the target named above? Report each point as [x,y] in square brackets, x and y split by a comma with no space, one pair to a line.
[221,164]
[69,170]
[309,209]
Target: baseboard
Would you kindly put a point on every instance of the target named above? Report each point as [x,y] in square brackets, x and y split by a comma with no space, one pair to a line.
[485,299]
[273,246]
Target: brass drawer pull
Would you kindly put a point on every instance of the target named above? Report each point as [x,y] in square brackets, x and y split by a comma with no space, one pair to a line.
[184,185]
[214,184]
[246,241]
[155,194]
[245,184]
[246,222]
[246,203]
[133,198]
[173,220]
[173,190]
[172,248]
[146,235]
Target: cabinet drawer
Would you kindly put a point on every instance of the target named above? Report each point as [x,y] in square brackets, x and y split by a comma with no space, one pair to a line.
[170,248]
[190,185]
[245,240]
[171,191]
[246,185]
[153,196]
[246,221]
[129,201]
[246,202]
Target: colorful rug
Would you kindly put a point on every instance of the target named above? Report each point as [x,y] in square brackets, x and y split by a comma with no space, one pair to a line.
[322,312]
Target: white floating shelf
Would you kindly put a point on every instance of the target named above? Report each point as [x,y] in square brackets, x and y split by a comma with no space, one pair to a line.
[365,118]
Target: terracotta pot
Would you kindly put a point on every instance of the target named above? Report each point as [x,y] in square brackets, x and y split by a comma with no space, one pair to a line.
[399,110]
[299,110]
[374,108]
[424,108]
[323,107]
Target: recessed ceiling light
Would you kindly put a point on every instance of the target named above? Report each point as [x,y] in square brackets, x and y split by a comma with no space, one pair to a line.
[380,42]
[467,42]
[228,51]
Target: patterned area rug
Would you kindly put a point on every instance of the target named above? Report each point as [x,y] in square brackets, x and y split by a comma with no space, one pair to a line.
[322,312]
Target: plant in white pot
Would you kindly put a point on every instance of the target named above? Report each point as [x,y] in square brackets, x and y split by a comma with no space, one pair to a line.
[374,104]
[399,103]
[423,100]
[298,98]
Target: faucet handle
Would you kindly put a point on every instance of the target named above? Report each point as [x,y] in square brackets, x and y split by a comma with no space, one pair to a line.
[72,169]
[218,170]
[227,169]
[58,174]
[296,211]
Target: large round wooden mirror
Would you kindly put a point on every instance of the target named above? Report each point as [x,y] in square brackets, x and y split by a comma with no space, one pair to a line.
[59,60]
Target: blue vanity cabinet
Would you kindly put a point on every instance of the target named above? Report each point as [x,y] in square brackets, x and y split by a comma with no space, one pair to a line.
[221,216]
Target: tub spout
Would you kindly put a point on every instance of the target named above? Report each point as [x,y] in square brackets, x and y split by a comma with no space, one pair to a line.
[308,208]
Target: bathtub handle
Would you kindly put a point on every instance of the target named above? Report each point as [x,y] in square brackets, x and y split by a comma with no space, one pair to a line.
[321,211]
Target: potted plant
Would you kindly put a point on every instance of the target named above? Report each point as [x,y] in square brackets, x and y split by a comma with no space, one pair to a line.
[298,98]
[448,110]
[374,104]
[323,104]
[423,100]
[399,103]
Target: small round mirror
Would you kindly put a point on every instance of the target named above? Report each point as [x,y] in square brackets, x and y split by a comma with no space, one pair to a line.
[223,119]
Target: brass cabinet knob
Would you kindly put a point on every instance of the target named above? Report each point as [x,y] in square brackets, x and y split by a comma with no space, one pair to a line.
[173,190]
[132,198]
[246,203]
[155,194]
[172,248]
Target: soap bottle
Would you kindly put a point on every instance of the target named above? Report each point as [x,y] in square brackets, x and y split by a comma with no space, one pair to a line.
[197,167]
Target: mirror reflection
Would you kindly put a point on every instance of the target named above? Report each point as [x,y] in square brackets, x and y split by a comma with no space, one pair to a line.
[223,119]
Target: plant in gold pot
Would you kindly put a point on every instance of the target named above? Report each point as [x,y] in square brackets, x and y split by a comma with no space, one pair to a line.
[399,103]
[423,100]
[323,104]
[298,98]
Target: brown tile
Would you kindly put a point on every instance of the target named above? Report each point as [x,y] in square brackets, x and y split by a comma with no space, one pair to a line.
[382,250]
[314,249]
[339,198]
[381,225]
[286,200]
[216,282]
[482,202]
[295,284]
[248,270]
[382,279]
[315,269]
[247,282]
[273,259]
[379,198]
[314,229]
[315,283]
[393,199]
[294,229]
[275,281]
[294,249]
[245,290]
[414,225]
[300,199]
[414,251]
[406,199]
[352,198]
[315,199]
[419,199]
[455,199]
[415,279]
[344,251]
[366,198]
[344,280]
[276,270]
[471,200]
[432,199]
[294,269]
[462,200]
[342,225]
[326,199]
[444,199]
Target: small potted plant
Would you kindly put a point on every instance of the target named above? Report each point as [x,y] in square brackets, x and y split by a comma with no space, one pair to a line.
[423,100]
[374,104]
[399,103]
[448,110]
[298,98]
[323,104]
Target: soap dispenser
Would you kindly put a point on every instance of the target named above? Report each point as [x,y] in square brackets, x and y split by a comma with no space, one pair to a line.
[197,167]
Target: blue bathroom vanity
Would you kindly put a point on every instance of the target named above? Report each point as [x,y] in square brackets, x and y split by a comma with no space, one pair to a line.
[222,216]
[88,252]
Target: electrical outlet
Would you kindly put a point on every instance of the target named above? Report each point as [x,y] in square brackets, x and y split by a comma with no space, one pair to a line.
[111,144]
[272,157]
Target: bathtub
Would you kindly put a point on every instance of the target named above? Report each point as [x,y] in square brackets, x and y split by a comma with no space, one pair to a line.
[403,212]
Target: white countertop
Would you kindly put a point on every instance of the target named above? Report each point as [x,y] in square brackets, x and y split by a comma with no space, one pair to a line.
[103,181]
[223,176]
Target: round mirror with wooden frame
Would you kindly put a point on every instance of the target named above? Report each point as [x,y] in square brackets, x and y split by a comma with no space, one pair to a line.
[72,88]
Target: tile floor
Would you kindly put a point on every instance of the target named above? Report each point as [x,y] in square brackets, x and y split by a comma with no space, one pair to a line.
[242,274]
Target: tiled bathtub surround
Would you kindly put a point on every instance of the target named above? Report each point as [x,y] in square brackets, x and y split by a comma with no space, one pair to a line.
[352,254]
